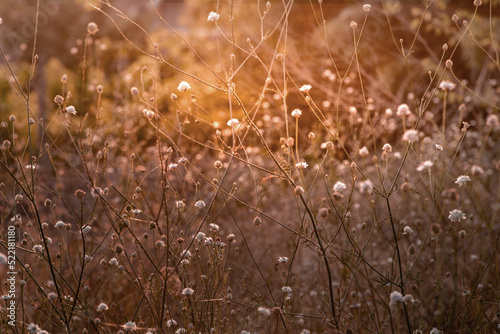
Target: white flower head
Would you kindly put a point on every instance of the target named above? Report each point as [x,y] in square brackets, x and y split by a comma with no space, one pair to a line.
[305,88]
[395,298]
[233,122]
[171,323]
[439,147]
[410,136]
[366,187]
[363,152]
[213,16]
[403,110]
[200,236]
[339,186]
[38,248]
[462,179]
[184,86]
[286,289]
[60,224]
[387,148]
[130,325]
[264,311]
[102,307]
[199,204]
[301,165]
[447,85]
[172,166]
[425,166]
[353,25]
[407,230]
[296,113]
[456,215]
[282,259]
[367,7]
[71,110]
[187,291]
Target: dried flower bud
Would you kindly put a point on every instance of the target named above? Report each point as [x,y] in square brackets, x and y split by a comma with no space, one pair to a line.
[353,25]
[92,28]
[449,63]
[59,99]
[298,191]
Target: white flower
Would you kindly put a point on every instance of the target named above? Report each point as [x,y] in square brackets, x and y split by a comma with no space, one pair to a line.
[209,241]
[296,113]
[171,323]
[183,160]
[435,331]
[367,8]
[213,16]
[181,331]
[387,148]
[408,298]
[407,230]
[86,229]
[353,25]
[395,298]
[214,227]
[180,205]
[301,165]
[305,331]
[462,179]
[200,236]
[60,224]
[185,254]
[366,187]
[264,311]
[102,307]
[187,291]
[130,325]
[439,147]
[446,85]
[339,186]
[172,166]
[456,215]
[363,152]
[148,113]
[282,259]
[233,122]
[411,136]
[403,110]
[71,110]
[286,289]
[34,329]
[199,204]
[305,88]
[183,86]
[425,166]
[113,261]
[38,248]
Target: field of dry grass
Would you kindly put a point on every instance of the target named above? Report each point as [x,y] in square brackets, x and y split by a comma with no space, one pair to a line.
[250,167]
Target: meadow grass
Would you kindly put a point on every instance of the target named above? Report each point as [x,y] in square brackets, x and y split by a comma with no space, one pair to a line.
[272,167]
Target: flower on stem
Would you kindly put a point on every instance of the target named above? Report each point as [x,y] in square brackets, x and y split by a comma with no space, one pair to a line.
[395,298]
[462,179]
[183,86]
[102,307]
[410,136]
[339,186]
[282,259]
[305,88]
[187,291]
[447,85]
[296,113]
[387,148]
[403,110]
[367,8]
[425,166]
[363,152]
[213,16]
[71,110]
[233,122]
[301,165]
[456,215]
